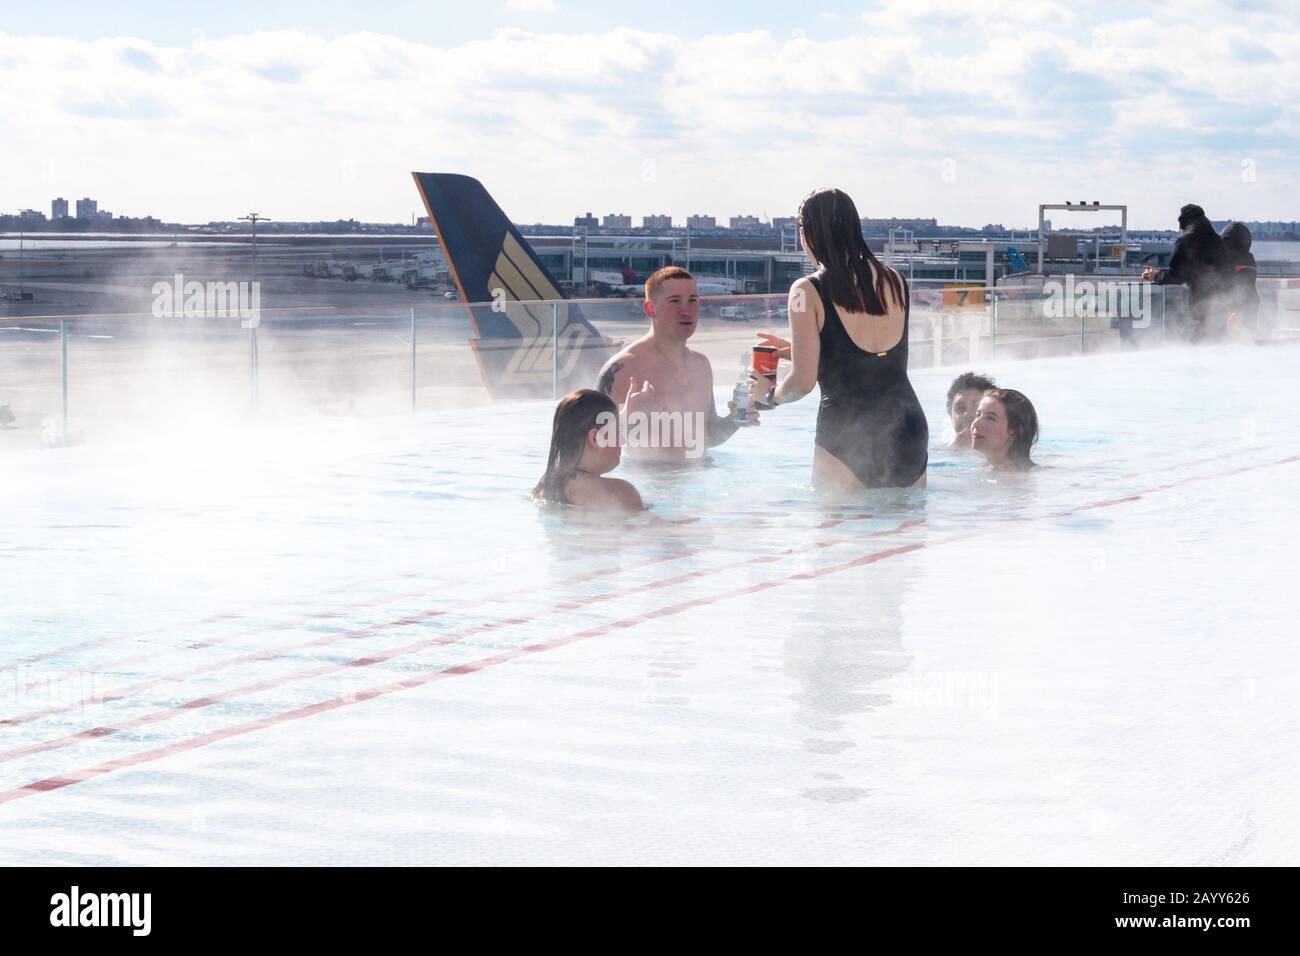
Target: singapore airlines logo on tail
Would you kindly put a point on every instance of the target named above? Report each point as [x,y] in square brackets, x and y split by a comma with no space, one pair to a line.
[516,286]
[529,339]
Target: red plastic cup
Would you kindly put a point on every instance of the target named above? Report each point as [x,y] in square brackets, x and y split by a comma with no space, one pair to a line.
[763,364]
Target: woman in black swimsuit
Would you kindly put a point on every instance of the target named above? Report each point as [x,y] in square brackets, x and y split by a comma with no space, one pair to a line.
[848,334]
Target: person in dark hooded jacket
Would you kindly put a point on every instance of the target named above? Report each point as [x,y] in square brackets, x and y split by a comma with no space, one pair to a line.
[1199,262]
[1242,273]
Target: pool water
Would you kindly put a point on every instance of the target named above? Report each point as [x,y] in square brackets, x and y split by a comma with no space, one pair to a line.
[356,641]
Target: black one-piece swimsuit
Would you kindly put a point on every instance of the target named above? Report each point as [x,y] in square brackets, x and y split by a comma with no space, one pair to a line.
[870,417]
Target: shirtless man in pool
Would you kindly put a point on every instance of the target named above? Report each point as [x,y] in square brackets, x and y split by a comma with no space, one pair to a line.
[663,388]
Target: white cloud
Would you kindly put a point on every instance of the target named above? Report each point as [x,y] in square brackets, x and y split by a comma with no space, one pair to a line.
[1030,105]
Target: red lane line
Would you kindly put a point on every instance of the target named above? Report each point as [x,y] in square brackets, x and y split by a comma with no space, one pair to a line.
[123,692]
[833,522]
[339,611]
[95,642]
[1181,464]
[79,776]
[1290,459]
[58,782]
[1165,453]
[1151,471]
[273,653]
[163,652]
[313,618]
[391,653]
[218,618]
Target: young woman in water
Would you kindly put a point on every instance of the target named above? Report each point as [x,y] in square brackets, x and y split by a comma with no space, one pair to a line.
[584,448]
[1005,429]
[848,334]
[964,396]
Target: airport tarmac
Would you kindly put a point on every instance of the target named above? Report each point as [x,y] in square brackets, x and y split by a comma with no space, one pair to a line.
[87,279]
[325,346]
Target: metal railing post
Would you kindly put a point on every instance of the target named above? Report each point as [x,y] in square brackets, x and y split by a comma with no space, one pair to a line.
[1164,299]
[555,350]
[63,339]
[993,332]
[252,365]
[412,358]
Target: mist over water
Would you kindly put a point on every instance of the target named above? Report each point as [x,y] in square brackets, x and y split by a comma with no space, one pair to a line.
[323,347]
[1014,622]
[866,672]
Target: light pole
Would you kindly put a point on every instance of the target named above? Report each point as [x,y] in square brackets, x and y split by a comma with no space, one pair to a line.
[254,218]
[251,324]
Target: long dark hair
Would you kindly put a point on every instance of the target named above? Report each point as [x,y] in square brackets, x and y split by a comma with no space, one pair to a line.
[1022,419]
[833,233]
[575,416]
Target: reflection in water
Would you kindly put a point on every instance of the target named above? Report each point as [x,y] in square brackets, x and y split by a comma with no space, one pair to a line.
[851,642]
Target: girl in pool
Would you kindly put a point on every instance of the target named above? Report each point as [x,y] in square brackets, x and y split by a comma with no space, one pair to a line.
[584,448]
[1005,430]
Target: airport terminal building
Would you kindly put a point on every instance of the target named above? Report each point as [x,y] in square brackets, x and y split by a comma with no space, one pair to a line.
[739,264]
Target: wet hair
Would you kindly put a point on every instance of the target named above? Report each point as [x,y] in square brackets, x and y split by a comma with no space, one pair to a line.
[833,233]
[661,276]
[1022,420]
[965,381]
[575,416]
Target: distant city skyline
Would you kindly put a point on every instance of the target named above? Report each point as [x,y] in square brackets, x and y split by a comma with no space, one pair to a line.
[87,211]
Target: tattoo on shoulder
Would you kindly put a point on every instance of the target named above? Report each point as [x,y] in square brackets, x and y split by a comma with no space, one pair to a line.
[607,376]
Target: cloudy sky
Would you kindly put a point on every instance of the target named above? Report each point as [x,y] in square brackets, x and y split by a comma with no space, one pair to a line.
[969,112]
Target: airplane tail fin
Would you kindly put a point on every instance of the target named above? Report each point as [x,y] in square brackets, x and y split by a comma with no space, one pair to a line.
[527,332]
